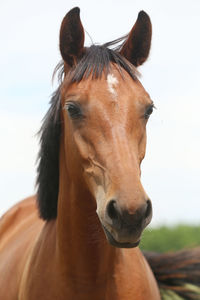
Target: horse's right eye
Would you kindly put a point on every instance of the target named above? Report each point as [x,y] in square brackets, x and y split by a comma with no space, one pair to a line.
[74,111]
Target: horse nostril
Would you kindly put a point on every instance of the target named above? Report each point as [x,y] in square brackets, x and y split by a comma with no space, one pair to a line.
[112,210]
[148,209]
[118,218]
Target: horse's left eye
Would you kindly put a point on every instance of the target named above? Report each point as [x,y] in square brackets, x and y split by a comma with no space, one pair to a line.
[149,111]
[73,110]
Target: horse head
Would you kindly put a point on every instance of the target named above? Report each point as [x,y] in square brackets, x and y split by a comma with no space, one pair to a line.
[104,112]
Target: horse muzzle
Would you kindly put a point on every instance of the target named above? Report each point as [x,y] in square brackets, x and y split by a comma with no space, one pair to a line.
[122,228]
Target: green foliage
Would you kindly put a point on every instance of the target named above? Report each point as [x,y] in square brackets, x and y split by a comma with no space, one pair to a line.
[169,295]
[164,239]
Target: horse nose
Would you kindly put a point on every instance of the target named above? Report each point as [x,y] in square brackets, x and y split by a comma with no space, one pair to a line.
[119,218]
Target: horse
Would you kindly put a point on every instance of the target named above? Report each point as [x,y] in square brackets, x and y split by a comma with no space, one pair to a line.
[78,237]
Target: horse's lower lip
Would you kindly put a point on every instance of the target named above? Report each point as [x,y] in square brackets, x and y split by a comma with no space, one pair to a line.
[113,242]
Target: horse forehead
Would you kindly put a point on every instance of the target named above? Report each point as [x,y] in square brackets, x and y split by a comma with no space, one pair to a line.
[114,87]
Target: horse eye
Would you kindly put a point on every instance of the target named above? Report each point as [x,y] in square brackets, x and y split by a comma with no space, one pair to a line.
[73,110]
[149,111]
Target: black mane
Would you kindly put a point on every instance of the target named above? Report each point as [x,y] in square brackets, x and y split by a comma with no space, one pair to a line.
[48,160]
[96,61]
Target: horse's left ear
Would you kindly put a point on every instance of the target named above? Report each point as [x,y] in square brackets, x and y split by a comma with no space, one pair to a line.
[136,47]
[72,37]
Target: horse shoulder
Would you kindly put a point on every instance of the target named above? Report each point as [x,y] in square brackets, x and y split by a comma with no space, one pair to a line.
[40,276]
[19,228]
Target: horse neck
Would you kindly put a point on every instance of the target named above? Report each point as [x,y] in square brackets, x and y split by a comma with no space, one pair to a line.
[82,247]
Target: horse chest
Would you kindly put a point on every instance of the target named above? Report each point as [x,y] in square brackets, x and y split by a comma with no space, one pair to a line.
[127,282]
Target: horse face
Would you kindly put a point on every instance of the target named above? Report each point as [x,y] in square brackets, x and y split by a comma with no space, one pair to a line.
[107,120]
[105,125]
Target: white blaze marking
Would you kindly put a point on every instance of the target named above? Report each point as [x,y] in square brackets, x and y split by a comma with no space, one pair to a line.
[112,83]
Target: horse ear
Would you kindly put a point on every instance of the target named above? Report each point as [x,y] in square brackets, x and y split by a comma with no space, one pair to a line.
[72,37]
[136,47]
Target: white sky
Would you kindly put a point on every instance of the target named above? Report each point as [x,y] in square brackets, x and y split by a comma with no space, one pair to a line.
[29,52]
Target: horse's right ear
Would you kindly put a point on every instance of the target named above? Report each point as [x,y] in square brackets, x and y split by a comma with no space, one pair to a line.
[71,37]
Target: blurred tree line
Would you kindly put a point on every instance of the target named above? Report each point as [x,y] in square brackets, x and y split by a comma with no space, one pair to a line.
[164,239]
